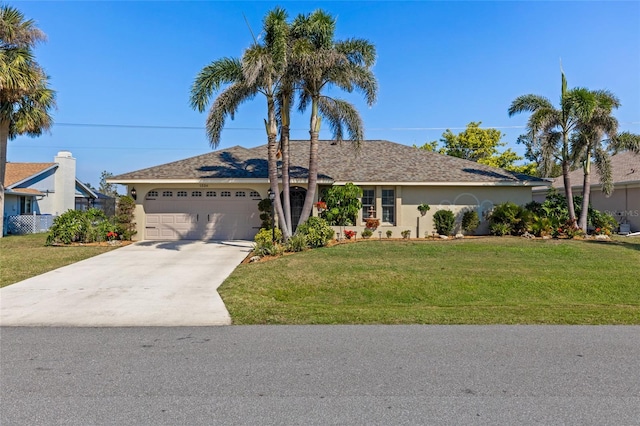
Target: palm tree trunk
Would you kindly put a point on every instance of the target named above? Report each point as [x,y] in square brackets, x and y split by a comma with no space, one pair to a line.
[4,138]
[568,192]
[586,193]
[284,146]
[314,132]
[272,152]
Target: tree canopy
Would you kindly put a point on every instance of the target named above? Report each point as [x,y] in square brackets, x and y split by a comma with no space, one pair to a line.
[479,145]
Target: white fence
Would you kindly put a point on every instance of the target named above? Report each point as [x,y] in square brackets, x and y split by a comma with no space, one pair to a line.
[28,224]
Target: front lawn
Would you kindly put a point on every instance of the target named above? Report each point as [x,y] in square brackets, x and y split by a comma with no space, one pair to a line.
[473,281]
[25,256]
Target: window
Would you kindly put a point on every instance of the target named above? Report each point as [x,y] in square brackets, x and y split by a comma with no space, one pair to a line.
[167,193]
[240,194]
[196,193]
[182,193]
[211,193]
[225,193]
[254,194]
[368,202]
[25,205]
[152,194]
[388,205]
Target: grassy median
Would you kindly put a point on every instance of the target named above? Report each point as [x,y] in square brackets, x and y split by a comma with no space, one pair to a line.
[472,281]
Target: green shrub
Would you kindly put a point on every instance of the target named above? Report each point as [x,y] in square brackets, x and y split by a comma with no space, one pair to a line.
[389,233]
[541,226]
[318,233]
[602,221]
[366,233]
[406,234]
[444,221]
[266,235]
[296,243]
[268,249]
[500,229]
[470,221]
[517,219]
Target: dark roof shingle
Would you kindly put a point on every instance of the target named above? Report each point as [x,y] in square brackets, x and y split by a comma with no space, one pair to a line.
[375,161]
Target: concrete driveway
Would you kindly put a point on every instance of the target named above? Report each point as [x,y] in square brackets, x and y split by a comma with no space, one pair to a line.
[143,284]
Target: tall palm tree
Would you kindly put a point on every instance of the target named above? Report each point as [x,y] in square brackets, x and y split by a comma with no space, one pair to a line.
[587,144]
[25,97]
[261,70]
[554,127]
[319,62]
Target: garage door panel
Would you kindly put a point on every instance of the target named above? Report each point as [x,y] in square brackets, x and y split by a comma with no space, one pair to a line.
[202,218]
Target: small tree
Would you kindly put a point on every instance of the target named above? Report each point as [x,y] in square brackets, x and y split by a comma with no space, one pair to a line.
[343,204]
[264,207]
[108,189]
[444,221]
[470,221]
[124,217]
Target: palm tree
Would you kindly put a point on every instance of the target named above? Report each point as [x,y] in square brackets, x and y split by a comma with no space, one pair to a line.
[260,71]
[25,97]
[554,127]
[318,62]
[587,144]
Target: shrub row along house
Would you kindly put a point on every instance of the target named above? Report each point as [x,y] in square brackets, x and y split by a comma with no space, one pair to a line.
[623,204]
[37,192]
[215,195]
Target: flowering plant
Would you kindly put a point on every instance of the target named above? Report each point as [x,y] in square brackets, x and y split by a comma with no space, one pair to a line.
[349,234]
[321,205]
[372,223]
[112,235]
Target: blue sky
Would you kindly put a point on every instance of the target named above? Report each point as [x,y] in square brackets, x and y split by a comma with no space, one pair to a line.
[440,65]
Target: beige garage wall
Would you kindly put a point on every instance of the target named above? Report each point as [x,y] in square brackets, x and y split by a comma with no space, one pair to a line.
[457,199]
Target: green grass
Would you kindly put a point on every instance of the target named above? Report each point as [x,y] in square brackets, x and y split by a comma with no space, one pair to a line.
[471,281]
[25,256]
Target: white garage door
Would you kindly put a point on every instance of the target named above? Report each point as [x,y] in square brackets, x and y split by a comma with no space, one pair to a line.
[201,214]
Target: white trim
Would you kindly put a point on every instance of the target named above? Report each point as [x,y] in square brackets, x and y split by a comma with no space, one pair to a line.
[521,183]
[185,181]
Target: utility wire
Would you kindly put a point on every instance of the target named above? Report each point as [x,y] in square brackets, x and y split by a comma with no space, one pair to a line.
[141,126]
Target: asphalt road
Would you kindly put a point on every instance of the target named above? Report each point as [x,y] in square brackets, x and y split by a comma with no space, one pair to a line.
[321,375]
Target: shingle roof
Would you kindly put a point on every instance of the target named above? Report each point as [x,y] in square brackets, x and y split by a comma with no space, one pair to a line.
[376,161]
[17,172]
[625,168]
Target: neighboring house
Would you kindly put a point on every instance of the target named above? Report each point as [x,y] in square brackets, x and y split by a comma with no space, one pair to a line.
[623,203]
[215,195]
[37,192]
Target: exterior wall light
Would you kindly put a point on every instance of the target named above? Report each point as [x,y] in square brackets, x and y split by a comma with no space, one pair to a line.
[134,193]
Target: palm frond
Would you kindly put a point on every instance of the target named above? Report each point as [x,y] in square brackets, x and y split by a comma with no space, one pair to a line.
[226,105]
[211,78]
[602,162]
[358,51]
[342,115]
[529,103]
[626,141]
[16,32]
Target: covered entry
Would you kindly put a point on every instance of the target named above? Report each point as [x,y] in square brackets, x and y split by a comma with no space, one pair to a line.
[201,214]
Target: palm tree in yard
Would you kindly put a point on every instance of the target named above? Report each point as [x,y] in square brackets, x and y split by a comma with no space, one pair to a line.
[318,62]
[261,70]
[588,143]
[25,97]
[554,127]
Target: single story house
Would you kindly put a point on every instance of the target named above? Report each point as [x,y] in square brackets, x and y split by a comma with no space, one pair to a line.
[37,192]
[623,203]
[215,195]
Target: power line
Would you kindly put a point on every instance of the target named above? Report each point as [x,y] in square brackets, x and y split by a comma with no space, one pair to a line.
[141,126]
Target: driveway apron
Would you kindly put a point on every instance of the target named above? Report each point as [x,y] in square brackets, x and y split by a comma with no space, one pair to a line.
[143,284]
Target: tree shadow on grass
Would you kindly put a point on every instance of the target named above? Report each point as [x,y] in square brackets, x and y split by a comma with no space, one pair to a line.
[632,244]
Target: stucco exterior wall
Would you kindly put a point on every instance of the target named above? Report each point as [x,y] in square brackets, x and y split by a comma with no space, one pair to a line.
[458,200]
